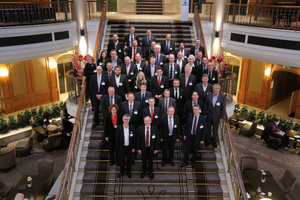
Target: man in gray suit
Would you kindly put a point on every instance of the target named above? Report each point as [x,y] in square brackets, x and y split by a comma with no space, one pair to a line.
[215,107]
[204,88]
[166,102]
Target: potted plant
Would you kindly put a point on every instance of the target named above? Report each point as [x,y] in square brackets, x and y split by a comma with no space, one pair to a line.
[33,112]
[27,116]
[296,126]
[285,124]
[244,110]
[260,115]
[237,109]
[12,122]
[3,126]
[55,110]
[21,120]
[252,114]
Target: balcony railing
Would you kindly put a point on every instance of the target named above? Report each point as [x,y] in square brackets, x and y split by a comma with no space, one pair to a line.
[268,16]
[204,10]
[94,9]
[74,87]
[30,13]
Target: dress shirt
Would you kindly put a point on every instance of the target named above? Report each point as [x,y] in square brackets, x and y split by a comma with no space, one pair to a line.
[167,102]
[196,50]
[194,103]
[130,104]
[176,95]
[138,65]
[146,135]
[114,63]
[157,59]
[116,44]
[204,87]
[179,62]
[117,80]
[152,70]
[99,82]
[126,136]
[131,38]
[215,98]
[127,69]
[171,70]
[109,73]
[172,123]
[142,95]
[195,124]
[111,100]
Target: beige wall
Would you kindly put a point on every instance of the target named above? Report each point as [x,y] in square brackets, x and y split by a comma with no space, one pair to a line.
[18,78]
[127,6]
[256,76]
[171,7]
[40,74]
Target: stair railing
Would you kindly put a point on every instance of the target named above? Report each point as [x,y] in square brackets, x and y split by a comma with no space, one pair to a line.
[198,25]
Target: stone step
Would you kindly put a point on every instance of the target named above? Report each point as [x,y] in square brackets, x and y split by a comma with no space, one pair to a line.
[141,9]
[146,5]
[148,13]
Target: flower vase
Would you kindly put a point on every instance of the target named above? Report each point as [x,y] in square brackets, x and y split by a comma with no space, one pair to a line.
[74,72]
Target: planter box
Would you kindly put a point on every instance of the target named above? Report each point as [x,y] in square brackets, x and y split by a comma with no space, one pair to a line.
[16,134]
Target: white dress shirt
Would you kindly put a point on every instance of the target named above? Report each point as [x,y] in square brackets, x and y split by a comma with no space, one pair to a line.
[195,124]
[146,135]
[126,136]
[117,80]
[204,87]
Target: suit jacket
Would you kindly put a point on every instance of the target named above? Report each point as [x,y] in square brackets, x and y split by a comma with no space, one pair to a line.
[176,70]
[142,66]
[203,94]
[162,102]
[183,65]
[201,48]
[119,49]
[154,138]
[216,112]
[109,128]
[164,49]
[126,39]
[147,72]
[105,73]
[137,50]
[148,52]
[94,85]
[164,128]
[138,97]
[214,77]
[187,91]
[120,137]
[105,103]
[200,129]
[158,90]
[132,71]
[156,115]
[135,118]
[119,61]
[186,53]
[179,100]
[122,89]
[162,59]
[188,108]
[145,44]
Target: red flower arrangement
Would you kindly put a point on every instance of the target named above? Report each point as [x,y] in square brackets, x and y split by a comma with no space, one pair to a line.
[221,63]
[77,61]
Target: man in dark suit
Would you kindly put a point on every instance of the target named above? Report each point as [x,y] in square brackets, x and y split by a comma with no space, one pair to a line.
[110,99]
[165,102]
[128,39]
[109,71]
[133,108]
[160,57]
[146,42]
[185,52]
[198,66]
[150,51]
[176,92]
[169,134]
[116,45]
[204,88]
[150,69]
[140,65]
[158,84]
[120,83]
[187,83]
[212,74]
[188,106]
[132,51]
[98,86]
[181,62]
[194,135]
[147,145]
[197,48]
[167,46]
[143,96]
[130,70]
[126,144]
[152,111]
[114,60]
[215,107]
[171,69]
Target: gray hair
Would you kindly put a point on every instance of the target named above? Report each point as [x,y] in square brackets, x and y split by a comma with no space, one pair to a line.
[192,56]
[157,46]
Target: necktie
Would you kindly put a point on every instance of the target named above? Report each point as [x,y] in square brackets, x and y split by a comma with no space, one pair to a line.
[133,53]
[167,46]
[209,73]
[111,100]
[194,126]
[170,126]
[151,114]
[131,39]
[130,109]
[147,137]
[157,61]
[166,106]
[99,82]
[148,40]
[172,73]
[143,97]
[159,82]
[186,80]
[176,94]
[127,69]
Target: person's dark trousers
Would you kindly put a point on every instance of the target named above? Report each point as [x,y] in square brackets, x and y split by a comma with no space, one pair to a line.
[125,151]
[168,145]
[210,123]
[112,147]
[147,159]
[88,94]
[191,144]
[97,104]
[285,139]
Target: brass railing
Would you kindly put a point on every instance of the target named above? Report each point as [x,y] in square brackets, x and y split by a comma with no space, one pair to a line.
[226,84]
[30,13]
[74,87]
[205,10]
[268,16]
[197,21]
[100,34]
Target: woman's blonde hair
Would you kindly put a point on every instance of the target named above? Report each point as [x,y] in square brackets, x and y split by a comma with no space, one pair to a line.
[143,81]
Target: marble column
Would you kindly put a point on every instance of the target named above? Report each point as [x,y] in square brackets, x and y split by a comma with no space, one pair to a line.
[79,12]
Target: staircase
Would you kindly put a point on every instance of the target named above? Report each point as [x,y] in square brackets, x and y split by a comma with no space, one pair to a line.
[180,31]
[149,7]
[97,180]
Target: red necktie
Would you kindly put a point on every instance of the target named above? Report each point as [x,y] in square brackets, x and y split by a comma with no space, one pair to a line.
[194,127]
[159,82]
[133,53]
[147,138]
[151,114]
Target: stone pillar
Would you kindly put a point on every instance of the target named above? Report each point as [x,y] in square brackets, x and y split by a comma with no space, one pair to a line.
[219,16]
[79,11]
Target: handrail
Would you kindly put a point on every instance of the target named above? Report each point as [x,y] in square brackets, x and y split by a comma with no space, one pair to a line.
[99,30]
[268,5]
[200,27]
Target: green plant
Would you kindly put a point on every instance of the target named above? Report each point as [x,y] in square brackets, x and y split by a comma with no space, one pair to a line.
[12,122]
[33,112]
[244,110]
[41,111]
[269,118]
[55,110]
[252,114]
[21,120]
[3,126]
[62,105]
[285,124]
[296,126]
[237,108]
[260,115]
[47,109]
[27,116]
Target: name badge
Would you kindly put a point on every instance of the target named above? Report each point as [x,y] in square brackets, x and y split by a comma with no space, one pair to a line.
[218,104]
[135,87]
[201,126]
[180,97]
[115,126]
[131,135]
[100,63]
[135,112]
[161,63]
[140,69]
[155,74]
[153,136]
[103,83]
[191,84]
[162,86]
[146,100]
[213,78]
[131,73]
[120,50]
[120,84]
[185,57]
[171,48]
[156,116]
[175,72]
[95,71]
[175,126]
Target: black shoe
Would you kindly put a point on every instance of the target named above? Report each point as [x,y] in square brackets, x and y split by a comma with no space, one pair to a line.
[118,163]
[193,165]
[143,175]
[151,176]
[112,163]
[215,145]
[94,125]
[120,174]
[184,164]
[172,164]
[129,174]
[163,164]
